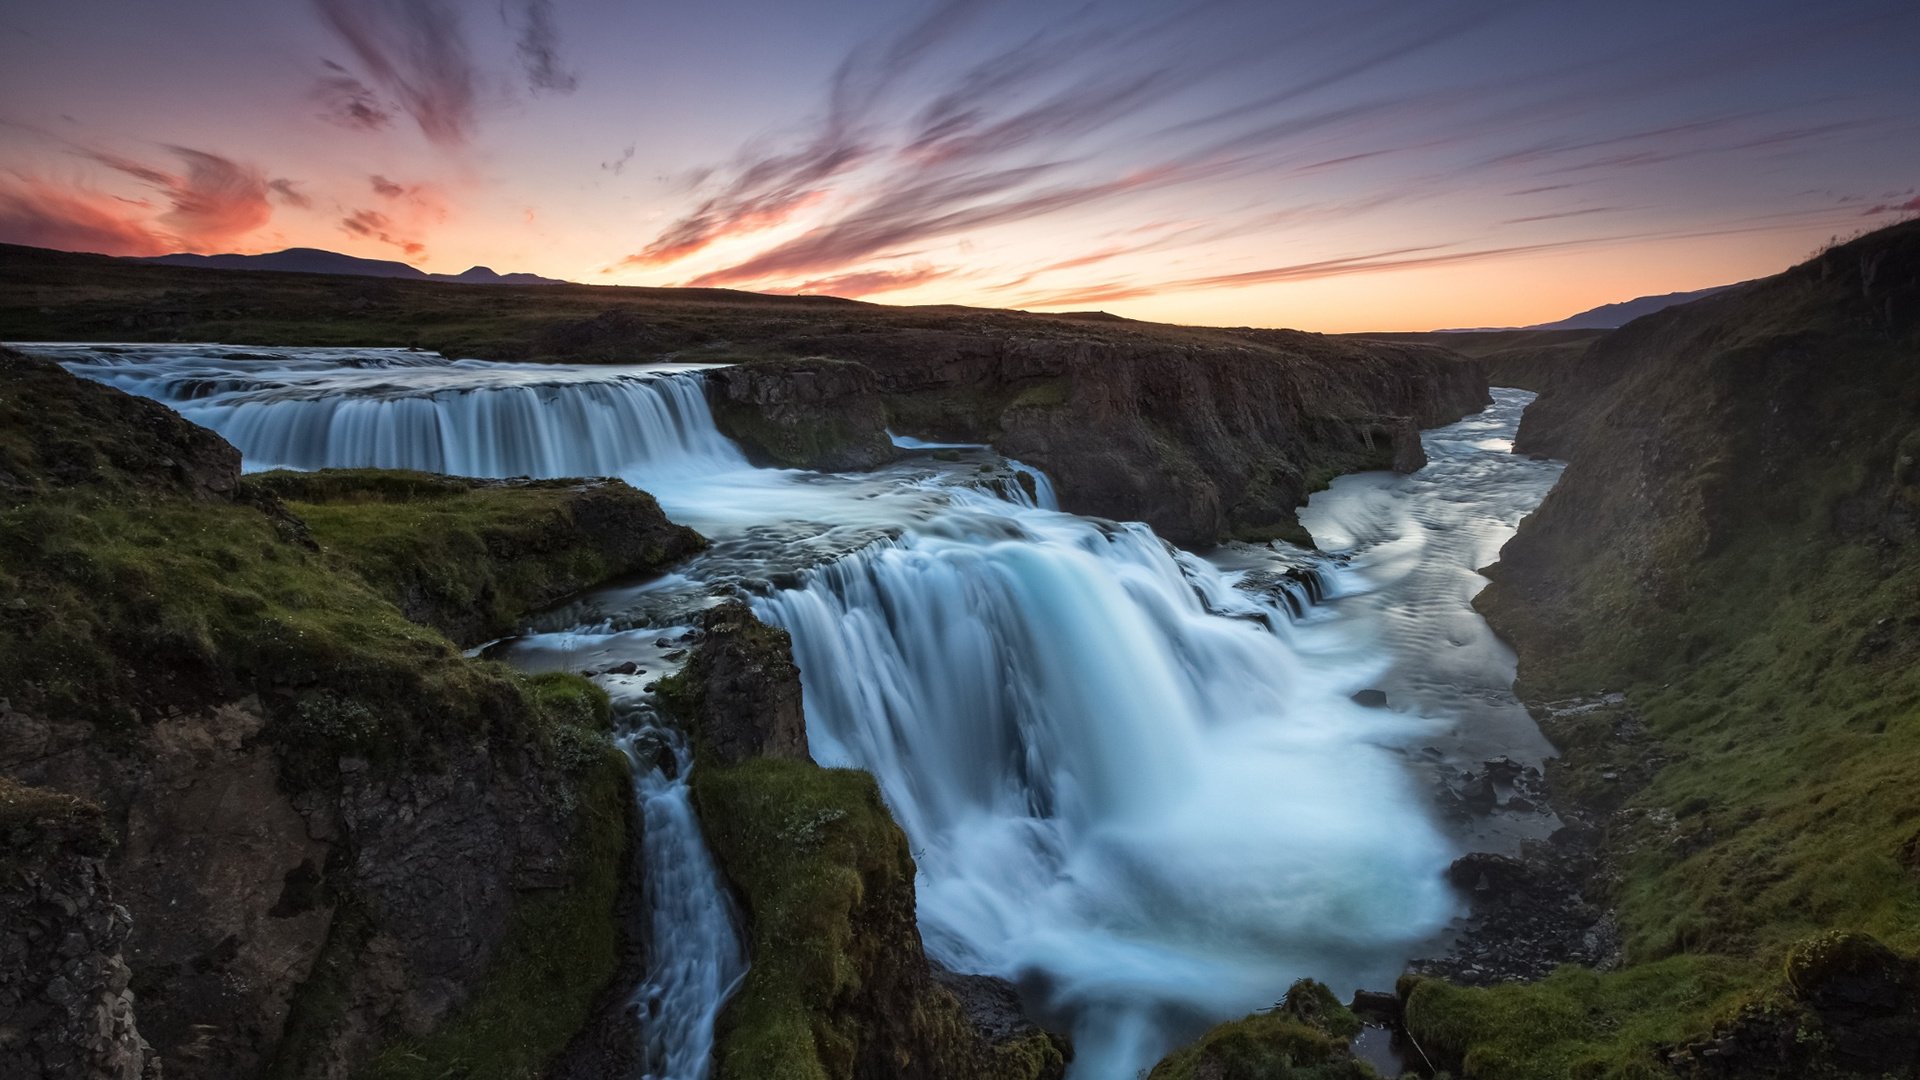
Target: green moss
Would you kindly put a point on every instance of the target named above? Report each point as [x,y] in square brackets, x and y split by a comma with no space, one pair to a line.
[1048,394]
[33,819]
[1576,1022]
[1305,1037]
[804,845]
[838,976]
[561,950]
[472,557]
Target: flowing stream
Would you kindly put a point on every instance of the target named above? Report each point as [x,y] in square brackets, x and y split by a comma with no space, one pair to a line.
[1135,780]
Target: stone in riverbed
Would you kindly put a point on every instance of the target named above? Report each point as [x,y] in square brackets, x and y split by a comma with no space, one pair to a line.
[1372,699]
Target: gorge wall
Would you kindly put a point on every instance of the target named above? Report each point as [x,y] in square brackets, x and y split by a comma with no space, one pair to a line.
[1202,440]
[1715,614]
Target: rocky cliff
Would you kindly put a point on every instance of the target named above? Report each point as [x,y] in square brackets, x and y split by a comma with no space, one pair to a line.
[340,846]
[1734,554]
[840,987]
[1210,435]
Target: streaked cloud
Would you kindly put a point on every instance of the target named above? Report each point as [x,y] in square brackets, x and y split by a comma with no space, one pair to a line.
[374,225]
[539,48]
[869,283]
[42,214]
[290,193]
[416,51]
[349,103]
[212,203]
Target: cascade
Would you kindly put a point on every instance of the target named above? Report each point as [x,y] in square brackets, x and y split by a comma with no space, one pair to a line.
[1134,779]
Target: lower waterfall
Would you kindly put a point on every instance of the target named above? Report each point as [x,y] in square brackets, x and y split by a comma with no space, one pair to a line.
[1134,780]
[695,956]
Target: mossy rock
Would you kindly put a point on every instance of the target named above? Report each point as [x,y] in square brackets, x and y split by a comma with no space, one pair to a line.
[1305,1037]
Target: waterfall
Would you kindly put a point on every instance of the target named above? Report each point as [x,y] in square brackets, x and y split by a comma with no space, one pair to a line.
[1133,779]
[695,956]
[401,410]
[1124,785]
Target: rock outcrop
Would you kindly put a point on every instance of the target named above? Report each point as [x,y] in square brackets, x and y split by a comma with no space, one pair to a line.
[470,557]
[328,830]
[840,987]
[1221,434]
[66,1012]
[815,413]
[740,694]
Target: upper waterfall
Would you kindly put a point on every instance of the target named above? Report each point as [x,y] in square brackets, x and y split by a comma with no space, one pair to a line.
[398,409]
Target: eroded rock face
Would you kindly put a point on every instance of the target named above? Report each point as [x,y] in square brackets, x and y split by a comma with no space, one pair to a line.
[235,886]
[209,842]
[816,413]
[744,690]
[66,1010]
[1200,442]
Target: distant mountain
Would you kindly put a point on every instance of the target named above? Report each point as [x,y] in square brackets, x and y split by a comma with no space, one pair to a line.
[1609,316]
[316,261]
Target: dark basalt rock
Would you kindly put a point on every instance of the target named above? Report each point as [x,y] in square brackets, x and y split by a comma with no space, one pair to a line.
[66,1012]
[740,692]
[1372,699]
[814,413]
[1200,441]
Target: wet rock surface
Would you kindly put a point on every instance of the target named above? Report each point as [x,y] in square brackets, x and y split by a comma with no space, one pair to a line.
[1546,906]
[742,690]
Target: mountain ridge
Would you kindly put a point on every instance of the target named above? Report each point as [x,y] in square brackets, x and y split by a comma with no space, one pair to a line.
[305,260]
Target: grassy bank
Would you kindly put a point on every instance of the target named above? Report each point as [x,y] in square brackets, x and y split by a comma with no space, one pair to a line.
[1733,547]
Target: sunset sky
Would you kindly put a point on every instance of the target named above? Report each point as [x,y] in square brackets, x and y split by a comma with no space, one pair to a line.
[1331,166]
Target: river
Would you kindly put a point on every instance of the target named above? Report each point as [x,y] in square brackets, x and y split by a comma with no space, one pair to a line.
[1135,780]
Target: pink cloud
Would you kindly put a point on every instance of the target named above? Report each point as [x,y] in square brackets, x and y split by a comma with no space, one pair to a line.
[213,203]
[866,283]
[39,214]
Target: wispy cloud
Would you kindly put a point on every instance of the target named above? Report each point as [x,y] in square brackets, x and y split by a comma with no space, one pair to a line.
[619,164]
[213,202]
[993,143]
[290,193]
[1911,206]
[539,48]
[374,225]
[417,52]
[868,283]
[70,218]
[349,103]
[1389,261]
[1559,214]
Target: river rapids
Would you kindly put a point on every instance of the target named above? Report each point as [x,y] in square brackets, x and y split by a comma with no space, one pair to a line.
[1134,779]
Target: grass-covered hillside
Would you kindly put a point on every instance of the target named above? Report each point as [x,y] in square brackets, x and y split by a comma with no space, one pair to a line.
[1735,546]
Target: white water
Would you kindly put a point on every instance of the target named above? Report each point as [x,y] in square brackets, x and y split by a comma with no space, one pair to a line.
[695,956]
[1140,792]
